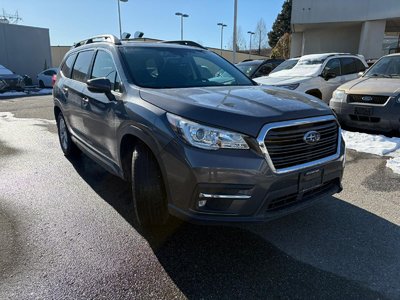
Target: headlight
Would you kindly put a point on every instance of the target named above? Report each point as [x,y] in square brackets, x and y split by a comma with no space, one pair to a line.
[339,96]
[289,86]
[205,137]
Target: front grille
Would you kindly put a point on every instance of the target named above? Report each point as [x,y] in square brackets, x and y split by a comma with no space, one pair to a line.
[11,82]
[287,148]
[371,99]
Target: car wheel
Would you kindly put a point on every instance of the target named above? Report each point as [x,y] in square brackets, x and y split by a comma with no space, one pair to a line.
[41,84]
[148,190]
[66,143]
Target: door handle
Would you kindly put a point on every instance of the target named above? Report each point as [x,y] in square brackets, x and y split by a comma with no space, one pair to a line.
[85,99]
[65,91]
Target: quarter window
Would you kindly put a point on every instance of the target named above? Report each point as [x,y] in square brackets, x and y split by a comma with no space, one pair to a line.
[82,65]
[360,66]
[67,66]
[104,67]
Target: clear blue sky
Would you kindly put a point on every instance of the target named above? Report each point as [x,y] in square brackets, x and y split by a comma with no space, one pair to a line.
[73,20]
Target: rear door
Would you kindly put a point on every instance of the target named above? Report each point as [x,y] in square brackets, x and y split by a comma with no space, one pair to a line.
[99,109]
[74,90]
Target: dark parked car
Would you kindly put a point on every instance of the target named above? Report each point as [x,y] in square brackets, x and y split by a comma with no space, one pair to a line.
[9,81]
[372,101]
[192,144]
[258,68]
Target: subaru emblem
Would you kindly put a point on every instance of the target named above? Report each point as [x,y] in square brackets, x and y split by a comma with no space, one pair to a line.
[312,137]
[366,98]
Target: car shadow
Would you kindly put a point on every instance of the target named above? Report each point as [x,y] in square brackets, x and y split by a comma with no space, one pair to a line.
[242,262]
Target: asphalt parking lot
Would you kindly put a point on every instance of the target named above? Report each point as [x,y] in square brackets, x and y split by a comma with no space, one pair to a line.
[66,233]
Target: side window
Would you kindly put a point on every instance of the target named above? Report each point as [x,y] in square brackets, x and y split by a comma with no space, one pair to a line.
[348,65]
[333,66]
[67,66]
[360,66]
[81,66]
[104,67]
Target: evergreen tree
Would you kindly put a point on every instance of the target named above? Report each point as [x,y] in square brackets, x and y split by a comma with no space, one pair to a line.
[281,24]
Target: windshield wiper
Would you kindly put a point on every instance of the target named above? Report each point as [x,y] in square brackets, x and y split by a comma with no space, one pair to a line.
[380,75]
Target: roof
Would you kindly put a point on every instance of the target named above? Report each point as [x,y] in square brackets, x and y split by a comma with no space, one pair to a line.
[323,55]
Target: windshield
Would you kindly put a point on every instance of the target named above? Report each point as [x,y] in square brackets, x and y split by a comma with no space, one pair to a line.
[248,69]
[5,71]
[286,65]
[162,67]
[388,67]
[303,68]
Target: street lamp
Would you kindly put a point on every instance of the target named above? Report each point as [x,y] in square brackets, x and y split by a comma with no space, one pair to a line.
[119,17]
[222,33]
[182,16]
[234,31]
[251,33]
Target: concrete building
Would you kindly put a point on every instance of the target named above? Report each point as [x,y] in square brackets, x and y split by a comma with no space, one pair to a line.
[24,49]
[368,27]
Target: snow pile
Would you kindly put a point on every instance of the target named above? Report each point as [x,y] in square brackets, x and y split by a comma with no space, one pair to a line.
[27,92]
[375,144]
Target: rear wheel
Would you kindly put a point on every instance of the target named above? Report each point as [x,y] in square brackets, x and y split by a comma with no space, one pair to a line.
[148,190]
[66,143]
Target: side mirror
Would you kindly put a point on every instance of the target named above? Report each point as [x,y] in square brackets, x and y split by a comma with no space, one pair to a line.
[329,75]
[360,74]
[99,85]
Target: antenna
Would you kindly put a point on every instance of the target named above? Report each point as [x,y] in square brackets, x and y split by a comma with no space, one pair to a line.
[9,18]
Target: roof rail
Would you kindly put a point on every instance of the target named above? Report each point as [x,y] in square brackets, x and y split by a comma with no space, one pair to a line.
[99,38]
[185,43]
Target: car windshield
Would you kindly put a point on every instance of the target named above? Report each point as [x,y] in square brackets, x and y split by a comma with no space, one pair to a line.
[162,67]
[286,65]
[388,67]
[5,71]
[247,69]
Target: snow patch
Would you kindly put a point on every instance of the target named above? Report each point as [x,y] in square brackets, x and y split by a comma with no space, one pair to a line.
[375,144]
[27,93]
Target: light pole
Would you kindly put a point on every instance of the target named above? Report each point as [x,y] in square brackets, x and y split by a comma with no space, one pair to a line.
[251,33]
[222,33]
[182,16]
[234,31]
[119,17]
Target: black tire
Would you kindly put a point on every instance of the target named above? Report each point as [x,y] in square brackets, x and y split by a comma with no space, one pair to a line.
[41,84]
[64,137]
[148,190]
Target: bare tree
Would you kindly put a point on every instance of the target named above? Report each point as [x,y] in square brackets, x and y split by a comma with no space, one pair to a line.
[261,35]
[240,42]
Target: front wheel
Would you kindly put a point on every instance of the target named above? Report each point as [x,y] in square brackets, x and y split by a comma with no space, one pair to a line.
[148,190]
[66,143]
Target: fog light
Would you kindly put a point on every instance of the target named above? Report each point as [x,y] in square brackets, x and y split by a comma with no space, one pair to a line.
[202,203]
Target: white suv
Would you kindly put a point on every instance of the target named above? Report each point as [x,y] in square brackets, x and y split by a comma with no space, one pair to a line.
[318,74]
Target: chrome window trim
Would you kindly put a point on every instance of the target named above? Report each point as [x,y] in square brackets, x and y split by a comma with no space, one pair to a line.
[266,128]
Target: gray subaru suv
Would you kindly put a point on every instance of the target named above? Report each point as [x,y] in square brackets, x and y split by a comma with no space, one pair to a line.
[193,135]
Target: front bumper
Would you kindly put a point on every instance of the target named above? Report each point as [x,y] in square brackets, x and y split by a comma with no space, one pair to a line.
[384,118]
[251,191]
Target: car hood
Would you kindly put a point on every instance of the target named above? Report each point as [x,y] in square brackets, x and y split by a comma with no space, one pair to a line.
[268,80]
[372,86]
[241,109]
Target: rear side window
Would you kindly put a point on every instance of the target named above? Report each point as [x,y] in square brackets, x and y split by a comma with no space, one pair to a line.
[360,66]
[81,66]
[67,66]
[104,67]
[348,65]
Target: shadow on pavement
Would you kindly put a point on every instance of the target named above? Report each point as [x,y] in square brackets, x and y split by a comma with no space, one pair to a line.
[232,262]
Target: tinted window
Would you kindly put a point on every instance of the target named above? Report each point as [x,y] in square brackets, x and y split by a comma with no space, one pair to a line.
[67,66]
[348,65]
[49,73]
[162,67]
[360,66]
[81,66]
[333,66]
[104,67]
[388,66]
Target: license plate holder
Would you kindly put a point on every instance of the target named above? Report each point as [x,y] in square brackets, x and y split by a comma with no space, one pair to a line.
[363,111]
[310,179]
